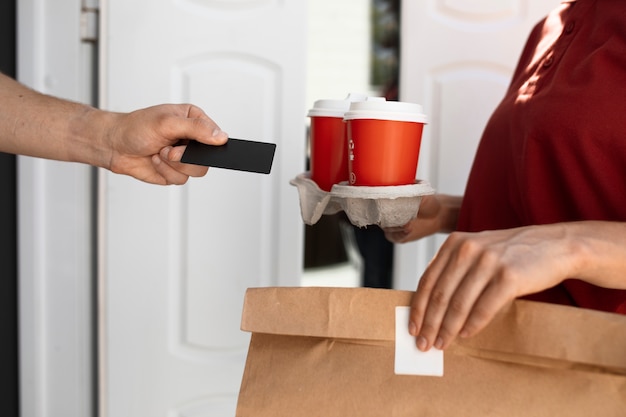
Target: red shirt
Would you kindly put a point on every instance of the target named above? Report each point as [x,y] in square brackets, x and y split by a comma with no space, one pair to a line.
[555,148]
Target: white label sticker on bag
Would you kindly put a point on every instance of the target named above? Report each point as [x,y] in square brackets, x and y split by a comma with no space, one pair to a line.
[409,359]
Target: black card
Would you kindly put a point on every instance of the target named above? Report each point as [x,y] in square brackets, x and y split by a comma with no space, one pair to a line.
[237,154]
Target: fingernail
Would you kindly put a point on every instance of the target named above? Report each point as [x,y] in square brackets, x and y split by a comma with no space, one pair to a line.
[218,133]
[156,159]
[439,343]
[422,343]
[412,328]
[165,152]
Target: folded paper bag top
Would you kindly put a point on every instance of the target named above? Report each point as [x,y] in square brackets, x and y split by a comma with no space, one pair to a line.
[525,328]
[330,351]
[343,313]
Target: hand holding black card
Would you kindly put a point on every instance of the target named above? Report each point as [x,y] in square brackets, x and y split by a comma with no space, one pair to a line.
[237,154]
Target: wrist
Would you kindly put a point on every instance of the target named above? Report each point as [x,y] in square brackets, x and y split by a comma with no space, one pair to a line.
[91,130]
[597,252]
[451,207]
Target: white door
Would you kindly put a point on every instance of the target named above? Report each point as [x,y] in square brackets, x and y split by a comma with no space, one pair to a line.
[175,261]
[457,59]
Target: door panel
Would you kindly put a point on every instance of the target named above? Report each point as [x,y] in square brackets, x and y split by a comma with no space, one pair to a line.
[176,261]
[457,59]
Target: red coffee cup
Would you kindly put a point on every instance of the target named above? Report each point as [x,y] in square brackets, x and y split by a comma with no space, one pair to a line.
[384,139]
[329,150]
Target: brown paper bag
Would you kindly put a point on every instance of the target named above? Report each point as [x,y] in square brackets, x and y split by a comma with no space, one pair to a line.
[330,352]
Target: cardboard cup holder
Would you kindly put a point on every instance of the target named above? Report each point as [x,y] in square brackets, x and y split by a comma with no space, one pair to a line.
[388,206]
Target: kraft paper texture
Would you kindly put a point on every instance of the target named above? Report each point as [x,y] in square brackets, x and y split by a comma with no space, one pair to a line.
[330,352]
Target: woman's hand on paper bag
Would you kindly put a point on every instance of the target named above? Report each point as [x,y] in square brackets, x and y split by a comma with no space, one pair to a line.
[474,275]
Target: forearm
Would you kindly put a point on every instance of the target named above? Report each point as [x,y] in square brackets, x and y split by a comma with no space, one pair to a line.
[145,143]
[39,125]
[451,207]
[599,254]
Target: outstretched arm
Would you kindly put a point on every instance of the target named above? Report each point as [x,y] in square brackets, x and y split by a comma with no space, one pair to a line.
[142,144]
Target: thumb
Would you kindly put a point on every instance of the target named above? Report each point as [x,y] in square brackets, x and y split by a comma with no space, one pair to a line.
[205,131]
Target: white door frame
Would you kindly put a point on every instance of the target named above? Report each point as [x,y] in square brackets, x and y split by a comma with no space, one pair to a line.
[55,206]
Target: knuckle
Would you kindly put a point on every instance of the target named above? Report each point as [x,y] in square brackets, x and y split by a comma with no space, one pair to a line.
[429,328]
[415,311]
[458,238]
[506,282]
[468,248]
[162,119]
[458,306]
[423,284]
[480,316]
[463,245]
[438,298]
[489,258]
[427,282]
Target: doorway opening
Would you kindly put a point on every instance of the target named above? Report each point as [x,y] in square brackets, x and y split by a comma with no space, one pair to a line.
[9,351]
[355,50]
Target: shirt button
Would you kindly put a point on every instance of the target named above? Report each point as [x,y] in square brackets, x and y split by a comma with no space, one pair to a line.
[569,27]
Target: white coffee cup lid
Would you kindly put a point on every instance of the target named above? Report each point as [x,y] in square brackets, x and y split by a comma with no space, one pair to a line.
[380,109]
[333,107]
